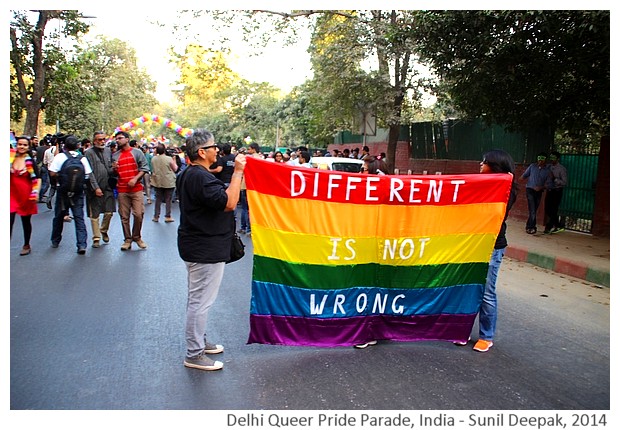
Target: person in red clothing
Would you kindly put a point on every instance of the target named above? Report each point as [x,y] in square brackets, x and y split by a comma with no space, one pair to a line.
[24,189]
[130,166]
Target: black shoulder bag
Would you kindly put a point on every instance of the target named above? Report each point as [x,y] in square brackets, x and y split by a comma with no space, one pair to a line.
[237,250]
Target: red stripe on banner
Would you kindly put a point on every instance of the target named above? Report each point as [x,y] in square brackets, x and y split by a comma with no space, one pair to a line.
[288,181]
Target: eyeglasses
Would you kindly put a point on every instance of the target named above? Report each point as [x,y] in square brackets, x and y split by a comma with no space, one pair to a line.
[100,139]
[207,147]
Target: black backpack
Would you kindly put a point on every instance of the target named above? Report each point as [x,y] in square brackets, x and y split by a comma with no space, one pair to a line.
[72,175]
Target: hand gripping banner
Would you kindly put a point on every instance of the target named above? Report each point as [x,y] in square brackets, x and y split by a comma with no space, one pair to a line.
[344,258]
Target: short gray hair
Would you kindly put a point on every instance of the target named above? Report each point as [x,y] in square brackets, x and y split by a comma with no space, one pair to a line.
[198,139]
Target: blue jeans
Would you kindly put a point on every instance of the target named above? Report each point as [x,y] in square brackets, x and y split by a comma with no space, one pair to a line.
[243,211]
[488,309]
[61,208]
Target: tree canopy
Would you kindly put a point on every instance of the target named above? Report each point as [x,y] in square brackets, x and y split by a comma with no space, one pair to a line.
[35,51]
[527,70]
[112,88]
[523,69]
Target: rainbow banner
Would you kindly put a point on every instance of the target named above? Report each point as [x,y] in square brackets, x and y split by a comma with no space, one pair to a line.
[344,258]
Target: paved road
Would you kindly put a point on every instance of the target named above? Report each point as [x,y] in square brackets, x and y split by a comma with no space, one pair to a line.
[105,331]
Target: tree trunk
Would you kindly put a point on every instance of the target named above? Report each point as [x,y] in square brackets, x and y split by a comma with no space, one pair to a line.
[391,147]
[394,133]
[32,102]
[601,221]
[31,124]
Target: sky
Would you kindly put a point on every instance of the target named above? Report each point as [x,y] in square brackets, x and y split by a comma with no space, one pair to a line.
[280,65]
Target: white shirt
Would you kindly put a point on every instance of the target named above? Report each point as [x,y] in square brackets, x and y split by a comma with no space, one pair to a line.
[48,156]
[62,157]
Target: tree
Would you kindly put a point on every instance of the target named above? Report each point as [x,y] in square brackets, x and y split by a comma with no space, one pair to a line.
[363,61]
[343,42]
[205,81]
[528,70]
[216,97]
[112,89]
[122,90]
[34,54]
[295,120]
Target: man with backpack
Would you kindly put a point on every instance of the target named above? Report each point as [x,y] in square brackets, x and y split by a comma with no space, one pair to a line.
[69,170]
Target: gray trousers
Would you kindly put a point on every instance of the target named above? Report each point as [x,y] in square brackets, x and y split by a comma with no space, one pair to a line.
[203,283]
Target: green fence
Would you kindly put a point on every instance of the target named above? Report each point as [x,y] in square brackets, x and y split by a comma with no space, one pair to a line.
[456,139]
[577,206]
[468,140]
[464,140]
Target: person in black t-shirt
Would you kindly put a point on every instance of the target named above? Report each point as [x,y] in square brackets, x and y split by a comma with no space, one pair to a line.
[204,240]
[226,163]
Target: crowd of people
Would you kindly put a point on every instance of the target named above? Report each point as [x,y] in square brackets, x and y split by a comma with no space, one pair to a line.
[548,178]
[95,176]
[109,174]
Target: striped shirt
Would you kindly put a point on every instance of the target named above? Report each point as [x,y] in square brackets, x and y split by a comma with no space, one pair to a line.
[127,169]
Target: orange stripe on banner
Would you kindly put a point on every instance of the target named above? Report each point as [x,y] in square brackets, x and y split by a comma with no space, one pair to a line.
[352,220]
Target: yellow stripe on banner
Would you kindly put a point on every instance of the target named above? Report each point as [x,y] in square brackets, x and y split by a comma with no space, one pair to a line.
[399,251]
[313,217]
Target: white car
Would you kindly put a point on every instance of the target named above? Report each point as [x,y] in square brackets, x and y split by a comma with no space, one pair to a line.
[352,165]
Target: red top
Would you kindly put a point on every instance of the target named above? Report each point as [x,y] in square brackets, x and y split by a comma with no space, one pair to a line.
[21,187]
[127,169]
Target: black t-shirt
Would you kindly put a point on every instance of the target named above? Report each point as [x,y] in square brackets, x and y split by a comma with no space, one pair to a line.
[501,241]
[205,230]
[40,151]
[228,167]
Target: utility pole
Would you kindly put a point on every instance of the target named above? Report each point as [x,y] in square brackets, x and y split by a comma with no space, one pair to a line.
[277,134]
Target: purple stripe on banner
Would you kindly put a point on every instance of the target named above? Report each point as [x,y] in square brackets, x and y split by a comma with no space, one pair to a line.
[330,332]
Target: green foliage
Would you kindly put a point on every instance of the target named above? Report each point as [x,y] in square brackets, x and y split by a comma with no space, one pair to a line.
[525,69]
[35,50]
[113,90]
[215,97]
[295,121]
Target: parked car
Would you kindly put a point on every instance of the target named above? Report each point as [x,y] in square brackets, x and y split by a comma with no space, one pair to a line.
[352,165]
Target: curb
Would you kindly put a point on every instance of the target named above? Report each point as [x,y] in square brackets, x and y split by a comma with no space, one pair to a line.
[559,265]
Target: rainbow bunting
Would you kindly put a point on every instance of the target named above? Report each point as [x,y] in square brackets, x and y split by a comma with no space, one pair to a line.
[344,258]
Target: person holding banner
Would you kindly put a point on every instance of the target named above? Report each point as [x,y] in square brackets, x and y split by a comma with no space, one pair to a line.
[204,240]
[495,161]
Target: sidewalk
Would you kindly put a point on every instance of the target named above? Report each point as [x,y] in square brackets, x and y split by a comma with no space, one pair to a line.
[579,255]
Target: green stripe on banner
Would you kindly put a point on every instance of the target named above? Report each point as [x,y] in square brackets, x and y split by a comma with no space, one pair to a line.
[321,277]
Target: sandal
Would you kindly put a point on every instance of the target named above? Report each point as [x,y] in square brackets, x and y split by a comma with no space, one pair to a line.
[25,250]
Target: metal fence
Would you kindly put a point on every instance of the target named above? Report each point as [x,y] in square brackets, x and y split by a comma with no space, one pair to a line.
[466,140]
[577,206]
[455,139]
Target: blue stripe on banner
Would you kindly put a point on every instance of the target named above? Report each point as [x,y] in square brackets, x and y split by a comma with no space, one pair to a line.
[361,301]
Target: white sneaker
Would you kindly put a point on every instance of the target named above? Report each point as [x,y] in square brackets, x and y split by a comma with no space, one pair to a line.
[365,345]
[462,343]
